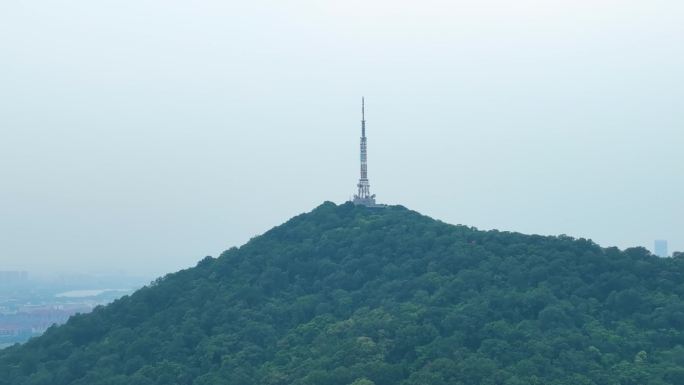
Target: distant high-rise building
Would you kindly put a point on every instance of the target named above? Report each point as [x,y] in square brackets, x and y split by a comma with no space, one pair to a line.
[660,248]
[13,276]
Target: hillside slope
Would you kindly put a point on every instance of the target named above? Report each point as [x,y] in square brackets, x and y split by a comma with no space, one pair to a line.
[348,294]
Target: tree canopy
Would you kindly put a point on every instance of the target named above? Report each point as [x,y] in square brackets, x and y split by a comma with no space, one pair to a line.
[353,295]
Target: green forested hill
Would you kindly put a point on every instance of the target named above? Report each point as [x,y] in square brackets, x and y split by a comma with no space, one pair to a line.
[348,294]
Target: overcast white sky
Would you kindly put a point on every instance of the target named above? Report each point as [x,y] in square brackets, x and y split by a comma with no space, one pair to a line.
[143,135]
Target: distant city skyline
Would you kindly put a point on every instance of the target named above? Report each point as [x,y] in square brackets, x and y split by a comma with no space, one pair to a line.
[144,136]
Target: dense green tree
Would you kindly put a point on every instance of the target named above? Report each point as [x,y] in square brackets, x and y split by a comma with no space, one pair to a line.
[349,295]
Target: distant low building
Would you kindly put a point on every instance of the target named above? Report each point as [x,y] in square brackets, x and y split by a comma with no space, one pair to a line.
[32,320]
[660,248]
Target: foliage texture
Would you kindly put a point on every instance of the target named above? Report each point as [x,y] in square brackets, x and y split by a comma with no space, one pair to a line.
[351,295]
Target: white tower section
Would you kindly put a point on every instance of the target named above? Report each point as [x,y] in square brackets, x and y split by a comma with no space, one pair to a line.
[364,197]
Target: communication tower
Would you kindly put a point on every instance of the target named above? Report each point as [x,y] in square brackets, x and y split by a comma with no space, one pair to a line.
[363,196]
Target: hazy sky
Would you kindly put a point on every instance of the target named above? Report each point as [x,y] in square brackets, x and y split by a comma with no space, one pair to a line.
[143,135]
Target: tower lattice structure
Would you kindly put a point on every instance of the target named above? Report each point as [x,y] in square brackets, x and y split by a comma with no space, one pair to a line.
[364,197]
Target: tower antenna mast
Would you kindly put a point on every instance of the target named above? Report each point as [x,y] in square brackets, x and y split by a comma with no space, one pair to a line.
[363,117]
